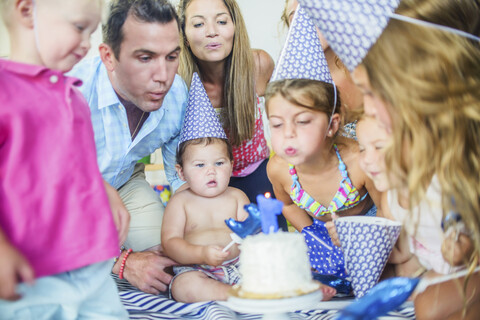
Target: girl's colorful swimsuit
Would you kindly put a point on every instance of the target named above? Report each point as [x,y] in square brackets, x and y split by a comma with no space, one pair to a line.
[346,197]
[325,257]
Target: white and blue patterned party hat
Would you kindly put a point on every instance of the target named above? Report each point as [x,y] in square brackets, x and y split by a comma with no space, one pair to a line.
[302,55]
[350,27]
[201,120]
[366,243]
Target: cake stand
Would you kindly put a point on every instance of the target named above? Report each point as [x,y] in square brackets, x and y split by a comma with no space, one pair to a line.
[274,309]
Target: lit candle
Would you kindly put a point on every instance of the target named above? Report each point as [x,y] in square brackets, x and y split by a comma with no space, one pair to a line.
[269,209]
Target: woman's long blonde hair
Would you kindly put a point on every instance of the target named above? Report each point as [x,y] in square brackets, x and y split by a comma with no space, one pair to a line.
[430,80]
[239,96]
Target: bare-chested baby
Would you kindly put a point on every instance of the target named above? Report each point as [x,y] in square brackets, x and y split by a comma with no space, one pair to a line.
[194,232]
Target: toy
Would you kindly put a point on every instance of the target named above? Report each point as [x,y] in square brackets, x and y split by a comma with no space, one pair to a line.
[163,192]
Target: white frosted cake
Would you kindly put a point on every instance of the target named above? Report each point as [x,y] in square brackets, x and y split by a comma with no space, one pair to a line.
[274,266]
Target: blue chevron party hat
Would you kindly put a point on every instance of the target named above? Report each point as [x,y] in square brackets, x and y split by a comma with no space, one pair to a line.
[350,27]
[302,55]
[201,120]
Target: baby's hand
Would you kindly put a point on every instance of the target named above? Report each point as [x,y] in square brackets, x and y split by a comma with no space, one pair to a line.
[457,251]
[332,231]
[328,292]
[213,255]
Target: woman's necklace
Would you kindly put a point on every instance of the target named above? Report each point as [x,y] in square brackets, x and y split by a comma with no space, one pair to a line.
[138,125]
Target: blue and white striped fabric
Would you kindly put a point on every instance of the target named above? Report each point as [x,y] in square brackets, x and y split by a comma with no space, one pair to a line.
[145,306]
[116,152]
[351,27]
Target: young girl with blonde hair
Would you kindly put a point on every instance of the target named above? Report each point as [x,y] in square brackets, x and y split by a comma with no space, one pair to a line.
[351,96]
[314,172]
[427,247]
[441,109]
[422,83]
[420,78]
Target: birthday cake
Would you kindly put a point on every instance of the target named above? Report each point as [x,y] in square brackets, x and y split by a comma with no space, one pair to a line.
[274,266]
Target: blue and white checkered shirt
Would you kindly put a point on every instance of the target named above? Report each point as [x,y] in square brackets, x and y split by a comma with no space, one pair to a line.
[117,154]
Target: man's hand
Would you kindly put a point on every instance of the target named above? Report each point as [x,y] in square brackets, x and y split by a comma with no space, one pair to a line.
[146,271]
[121,217]
[14,268]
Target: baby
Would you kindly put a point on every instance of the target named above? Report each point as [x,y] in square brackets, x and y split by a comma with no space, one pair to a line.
[60,222]
[194,232]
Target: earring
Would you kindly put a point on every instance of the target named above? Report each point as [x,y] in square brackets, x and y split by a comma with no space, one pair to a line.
[330,132]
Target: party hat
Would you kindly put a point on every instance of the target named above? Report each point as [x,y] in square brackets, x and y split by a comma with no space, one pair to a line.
[350,27]
[302,55]
[366,243]
[201,120]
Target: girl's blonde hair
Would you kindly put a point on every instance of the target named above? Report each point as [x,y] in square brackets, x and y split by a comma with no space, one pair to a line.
[239,96]
[311,94]
[430,81]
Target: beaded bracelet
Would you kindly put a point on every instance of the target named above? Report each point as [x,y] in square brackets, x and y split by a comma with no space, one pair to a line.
[122,266]
[122,248]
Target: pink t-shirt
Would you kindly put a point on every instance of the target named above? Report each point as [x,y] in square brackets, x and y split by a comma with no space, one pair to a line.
[53,205]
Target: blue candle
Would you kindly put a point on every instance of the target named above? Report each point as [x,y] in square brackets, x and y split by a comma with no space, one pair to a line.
[269,209]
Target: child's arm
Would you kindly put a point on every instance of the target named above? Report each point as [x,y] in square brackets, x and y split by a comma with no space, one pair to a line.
[277,172]
[332,230]
[449,299]
[173,242]
[401,251]
[242,200]
[375,195]
[13,269]
[121,216]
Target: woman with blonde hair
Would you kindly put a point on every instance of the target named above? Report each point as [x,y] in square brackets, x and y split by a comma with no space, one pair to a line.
[422,83]
[215,44]
[418,66]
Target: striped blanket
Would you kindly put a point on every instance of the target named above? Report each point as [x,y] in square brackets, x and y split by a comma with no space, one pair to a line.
[150,307]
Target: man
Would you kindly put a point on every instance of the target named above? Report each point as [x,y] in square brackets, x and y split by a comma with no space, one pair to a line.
[138,104]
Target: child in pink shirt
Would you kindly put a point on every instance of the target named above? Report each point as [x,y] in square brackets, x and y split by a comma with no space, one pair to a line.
[56,222]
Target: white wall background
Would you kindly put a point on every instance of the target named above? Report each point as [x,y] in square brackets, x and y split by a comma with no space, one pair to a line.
[262,18]
[4,44]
